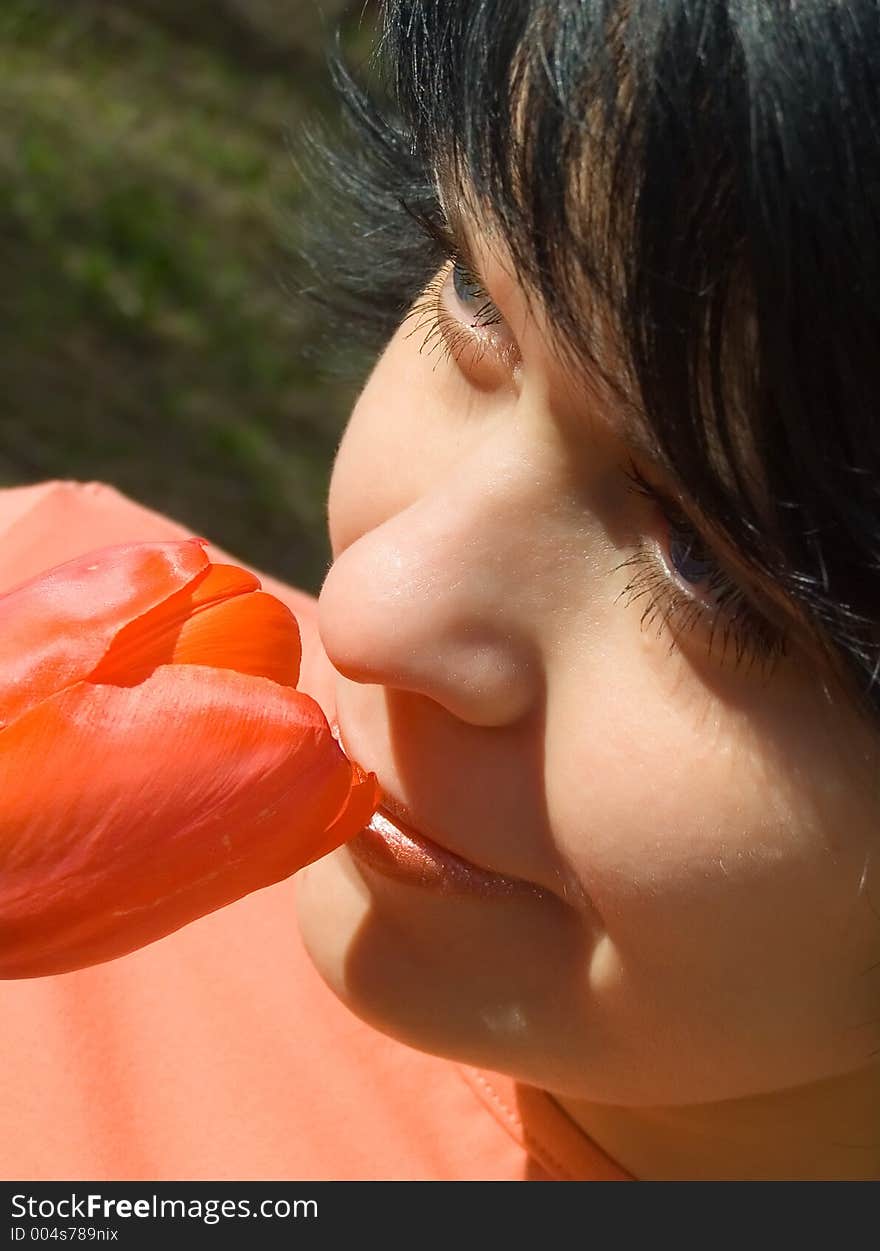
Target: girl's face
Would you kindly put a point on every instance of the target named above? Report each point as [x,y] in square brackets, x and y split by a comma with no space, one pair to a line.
[698,833]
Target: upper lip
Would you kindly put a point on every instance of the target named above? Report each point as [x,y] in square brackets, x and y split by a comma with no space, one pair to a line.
[404,816]
[400,812]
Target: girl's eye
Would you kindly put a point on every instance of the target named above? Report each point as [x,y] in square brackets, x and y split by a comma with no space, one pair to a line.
[686,588]
[460,320]
[472,297]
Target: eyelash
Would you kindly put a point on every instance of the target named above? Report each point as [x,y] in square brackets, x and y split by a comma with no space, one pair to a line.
[756,640]
[452,336]
[445,331]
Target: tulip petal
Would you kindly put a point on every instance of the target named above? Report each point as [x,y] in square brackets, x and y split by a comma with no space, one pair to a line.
[360,804]
[56,627]
[254,634]
[224,620]
[130,811]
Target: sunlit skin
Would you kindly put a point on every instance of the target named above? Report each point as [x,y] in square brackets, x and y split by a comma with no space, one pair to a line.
[697,982]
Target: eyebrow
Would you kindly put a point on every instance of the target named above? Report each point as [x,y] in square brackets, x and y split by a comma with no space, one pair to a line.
[642,440]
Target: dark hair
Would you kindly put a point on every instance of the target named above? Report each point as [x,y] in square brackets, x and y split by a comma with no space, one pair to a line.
[708,173]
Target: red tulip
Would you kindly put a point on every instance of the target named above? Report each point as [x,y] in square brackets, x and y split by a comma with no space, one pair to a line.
[156,762]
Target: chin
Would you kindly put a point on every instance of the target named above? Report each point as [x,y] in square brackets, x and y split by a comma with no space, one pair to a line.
[443,976]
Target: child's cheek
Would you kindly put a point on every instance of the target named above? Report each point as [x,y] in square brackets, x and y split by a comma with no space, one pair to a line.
[357,500]
[695,835]
[644,818]
[387,438]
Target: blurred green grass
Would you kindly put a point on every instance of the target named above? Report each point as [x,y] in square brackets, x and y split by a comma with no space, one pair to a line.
[148,203]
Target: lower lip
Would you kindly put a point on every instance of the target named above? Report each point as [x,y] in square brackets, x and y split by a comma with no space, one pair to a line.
[400,853]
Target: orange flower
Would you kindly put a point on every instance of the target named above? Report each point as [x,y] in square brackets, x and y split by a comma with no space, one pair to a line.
[156,762]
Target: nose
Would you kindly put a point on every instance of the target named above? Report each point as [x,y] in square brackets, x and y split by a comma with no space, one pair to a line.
[435,600]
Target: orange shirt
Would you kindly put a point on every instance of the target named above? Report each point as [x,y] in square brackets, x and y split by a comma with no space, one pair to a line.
[219,1052]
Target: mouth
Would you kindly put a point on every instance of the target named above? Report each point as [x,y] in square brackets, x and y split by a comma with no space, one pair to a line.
[392,846]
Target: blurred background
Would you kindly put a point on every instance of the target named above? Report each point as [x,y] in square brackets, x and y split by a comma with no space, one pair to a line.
[149,336]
